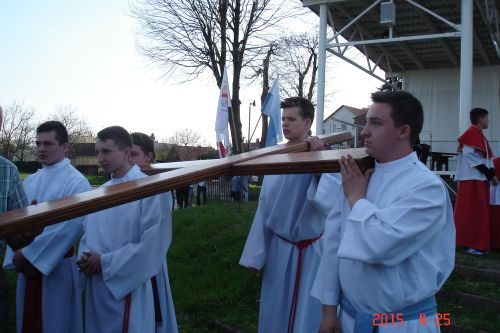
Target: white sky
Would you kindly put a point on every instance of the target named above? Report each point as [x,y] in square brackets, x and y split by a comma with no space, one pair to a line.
[83,54]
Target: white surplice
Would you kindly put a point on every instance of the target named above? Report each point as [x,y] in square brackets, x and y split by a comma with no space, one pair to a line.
[394,249]
[169,321]
[284,210]
[131,241]
[61,297]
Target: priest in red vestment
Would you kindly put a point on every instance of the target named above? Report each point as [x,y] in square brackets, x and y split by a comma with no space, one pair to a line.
[474,174]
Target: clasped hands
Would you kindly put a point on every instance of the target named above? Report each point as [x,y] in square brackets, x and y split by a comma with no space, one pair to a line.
[89,263]
[354,182]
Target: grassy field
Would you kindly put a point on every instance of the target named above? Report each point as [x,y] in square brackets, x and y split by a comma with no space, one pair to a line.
[207,283]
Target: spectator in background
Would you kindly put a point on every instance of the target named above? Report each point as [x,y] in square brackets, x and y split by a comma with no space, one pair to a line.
[201,190]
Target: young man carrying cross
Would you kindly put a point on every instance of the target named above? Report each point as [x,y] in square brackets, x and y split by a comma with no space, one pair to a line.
[285,237]
[390,244]
[122,247]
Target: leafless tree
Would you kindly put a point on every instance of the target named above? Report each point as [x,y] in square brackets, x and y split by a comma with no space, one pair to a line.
[18,130]
[78,128]
[297,64]
[294,59]
[185,137]
[192,36]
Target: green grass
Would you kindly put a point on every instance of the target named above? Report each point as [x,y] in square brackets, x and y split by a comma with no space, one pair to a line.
[488,321]
[97,180]
[208,285]
[458,283]
[490,260]
[24,174]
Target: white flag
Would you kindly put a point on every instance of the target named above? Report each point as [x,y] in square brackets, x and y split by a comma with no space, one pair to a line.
[222,118]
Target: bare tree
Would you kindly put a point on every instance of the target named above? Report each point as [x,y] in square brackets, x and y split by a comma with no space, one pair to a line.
[193,36]
[18,130]
[297,64]
[78,128]
[185,137]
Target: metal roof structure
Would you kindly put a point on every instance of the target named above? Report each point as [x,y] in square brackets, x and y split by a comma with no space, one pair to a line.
[412,35]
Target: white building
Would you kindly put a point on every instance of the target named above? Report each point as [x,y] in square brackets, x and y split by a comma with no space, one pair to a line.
[343,120]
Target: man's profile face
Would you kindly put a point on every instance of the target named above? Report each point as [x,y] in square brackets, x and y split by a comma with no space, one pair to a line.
[483,121]
[379,133]
[295,127]
[110,157]
[137,156]
[48,149]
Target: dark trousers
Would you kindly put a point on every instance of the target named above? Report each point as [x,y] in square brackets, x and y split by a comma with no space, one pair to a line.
[201,190]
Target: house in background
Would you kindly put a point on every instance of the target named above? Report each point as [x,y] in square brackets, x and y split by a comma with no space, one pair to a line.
[347,119]
[83,158]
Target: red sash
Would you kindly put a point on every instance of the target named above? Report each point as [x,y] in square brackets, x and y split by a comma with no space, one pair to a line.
[32,311]
[300,246]
[475,138]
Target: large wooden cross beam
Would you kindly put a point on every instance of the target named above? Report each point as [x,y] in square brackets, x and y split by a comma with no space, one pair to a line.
[286,158]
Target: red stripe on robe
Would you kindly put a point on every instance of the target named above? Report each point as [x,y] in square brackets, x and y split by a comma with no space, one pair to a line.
[474,137]
[472,214]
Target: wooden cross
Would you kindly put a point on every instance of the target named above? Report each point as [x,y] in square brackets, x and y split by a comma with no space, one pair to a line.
[286,158]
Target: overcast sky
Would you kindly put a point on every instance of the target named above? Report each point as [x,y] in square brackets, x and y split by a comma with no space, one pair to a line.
[83,54]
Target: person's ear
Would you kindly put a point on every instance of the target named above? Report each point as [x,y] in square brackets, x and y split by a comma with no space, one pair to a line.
[126,152]
[308,123]
[65,147]
[405,132]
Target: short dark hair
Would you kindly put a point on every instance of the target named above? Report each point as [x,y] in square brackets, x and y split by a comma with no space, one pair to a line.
[145,142]
[476,114]
[57,127]
[406,109]
[118,134]
[305,106]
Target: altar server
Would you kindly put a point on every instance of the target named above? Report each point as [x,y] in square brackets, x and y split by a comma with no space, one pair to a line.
[142,154]
[122,247]
[285,238]
[390,245]
[47,297]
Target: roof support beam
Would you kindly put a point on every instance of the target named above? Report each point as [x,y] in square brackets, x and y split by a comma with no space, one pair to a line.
[412,55]
[443,43]
[487,23]
[482,50]
[370,36]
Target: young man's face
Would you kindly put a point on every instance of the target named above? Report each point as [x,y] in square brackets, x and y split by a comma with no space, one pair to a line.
[48,149]
[483,122]
[382,139]
[138,157]
[110,157]
[295,127]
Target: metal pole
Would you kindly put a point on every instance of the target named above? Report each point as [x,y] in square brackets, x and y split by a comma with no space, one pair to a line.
[249,113]
[466,65]
[321,69]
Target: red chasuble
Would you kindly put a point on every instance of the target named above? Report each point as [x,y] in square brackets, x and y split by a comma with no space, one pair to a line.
[474,137]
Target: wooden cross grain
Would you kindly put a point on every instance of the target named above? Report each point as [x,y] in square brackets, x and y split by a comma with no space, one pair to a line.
[257,162]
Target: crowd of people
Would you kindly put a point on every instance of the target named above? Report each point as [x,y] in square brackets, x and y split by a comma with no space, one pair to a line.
[335,251]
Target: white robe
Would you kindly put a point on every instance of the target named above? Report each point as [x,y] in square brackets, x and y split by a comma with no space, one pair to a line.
[394,248]
[467,160]
[61,297]
[130,240]
[284,209]
[169,323]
